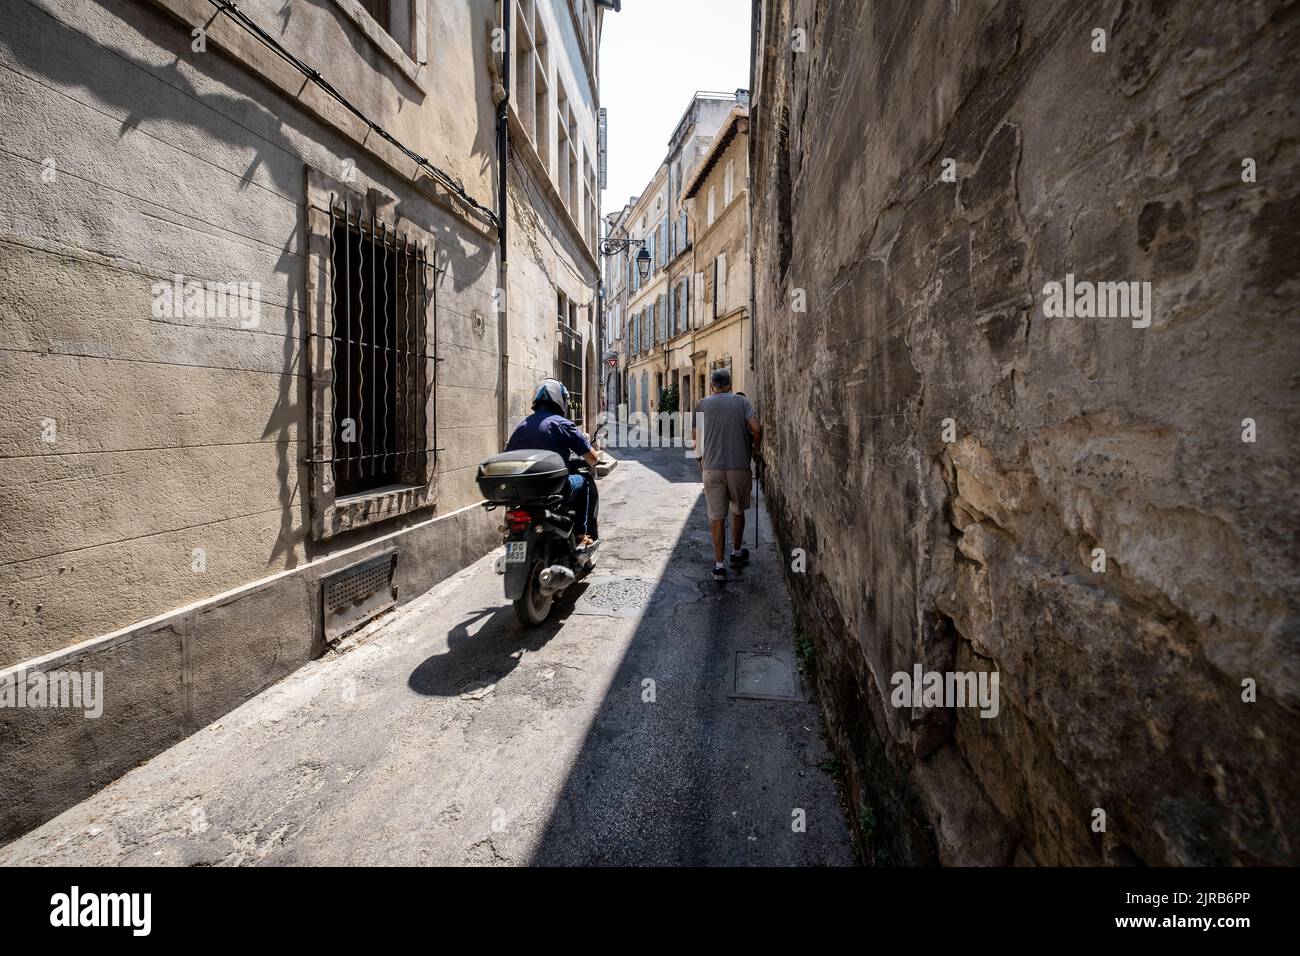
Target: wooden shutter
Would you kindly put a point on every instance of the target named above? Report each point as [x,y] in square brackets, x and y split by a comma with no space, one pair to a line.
[720,292]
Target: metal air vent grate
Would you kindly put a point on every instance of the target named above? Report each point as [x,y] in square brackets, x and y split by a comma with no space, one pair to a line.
[354,595]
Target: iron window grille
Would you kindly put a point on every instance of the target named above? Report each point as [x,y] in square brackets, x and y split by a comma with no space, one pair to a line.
[371,336]
[378,360]
[568,368]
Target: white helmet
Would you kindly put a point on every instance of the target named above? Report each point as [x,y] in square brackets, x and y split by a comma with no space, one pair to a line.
[554,392]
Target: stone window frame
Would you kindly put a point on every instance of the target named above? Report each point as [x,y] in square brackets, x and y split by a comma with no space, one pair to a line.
[329,515]
[413,64]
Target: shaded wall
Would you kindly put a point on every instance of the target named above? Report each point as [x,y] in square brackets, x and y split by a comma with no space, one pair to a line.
[191,433]
[1120,690]
[131,158]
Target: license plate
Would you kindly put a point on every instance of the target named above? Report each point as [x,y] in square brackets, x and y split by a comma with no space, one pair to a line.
[516,552]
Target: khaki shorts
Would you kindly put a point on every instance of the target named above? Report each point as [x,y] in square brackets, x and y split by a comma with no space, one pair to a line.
[721,486]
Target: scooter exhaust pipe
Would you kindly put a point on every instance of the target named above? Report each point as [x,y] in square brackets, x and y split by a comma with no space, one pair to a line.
[555,579]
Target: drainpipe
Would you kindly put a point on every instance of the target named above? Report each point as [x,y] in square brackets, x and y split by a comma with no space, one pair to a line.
[598,333]
[503,165]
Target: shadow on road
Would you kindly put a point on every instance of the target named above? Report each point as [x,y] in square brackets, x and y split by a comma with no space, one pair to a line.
[673,771]
[485,647]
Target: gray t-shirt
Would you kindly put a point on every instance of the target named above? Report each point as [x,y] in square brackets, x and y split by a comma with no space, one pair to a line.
[724,431]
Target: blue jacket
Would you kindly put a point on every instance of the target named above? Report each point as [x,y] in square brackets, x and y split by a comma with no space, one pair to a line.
[549,431]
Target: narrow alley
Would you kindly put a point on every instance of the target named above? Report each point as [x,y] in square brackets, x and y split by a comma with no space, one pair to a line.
[445,733]
[323,320]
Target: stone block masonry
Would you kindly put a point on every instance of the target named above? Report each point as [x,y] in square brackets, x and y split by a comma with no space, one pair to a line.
[1024,305]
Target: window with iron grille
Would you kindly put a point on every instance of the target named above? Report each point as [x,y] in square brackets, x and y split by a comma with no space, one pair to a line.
[371,338]
[378,367]
[568,369]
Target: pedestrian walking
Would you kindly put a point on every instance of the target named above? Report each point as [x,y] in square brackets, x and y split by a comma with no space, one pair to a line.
[726,437]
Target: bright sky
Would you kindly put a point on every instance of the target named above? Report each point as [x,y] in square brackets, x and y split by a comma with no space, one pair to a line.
[654,55]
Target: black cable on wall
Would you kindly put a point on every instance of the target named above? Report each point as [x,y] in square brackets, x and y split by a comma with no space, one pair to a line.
[451,182]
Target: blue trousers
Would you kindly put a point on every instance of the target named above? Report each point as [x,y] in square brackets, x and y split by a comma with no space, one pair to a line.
[580,496]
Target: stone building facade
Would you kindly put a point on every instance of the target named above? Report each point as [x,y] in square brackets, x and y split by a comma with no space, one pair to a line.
[554,227]
[647,298]
[1093,499]
[716,199]
[254,347]
[617,283]
[661,313]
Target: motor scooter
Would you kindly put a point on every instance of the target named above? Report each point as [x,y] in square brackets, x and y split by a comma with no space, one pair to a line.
[543,557]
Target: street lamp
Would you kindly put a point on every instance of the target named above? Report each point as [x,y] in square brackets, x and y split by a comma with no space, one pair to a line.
[609,247]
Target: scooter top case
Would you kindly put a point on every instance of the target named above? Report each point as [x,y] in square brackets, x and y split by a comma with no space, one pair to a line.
[522,477]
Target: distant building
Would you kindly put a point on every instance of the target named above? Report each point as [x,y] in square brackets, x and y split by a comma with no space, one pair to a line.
[617,282]
[664,313]
[646,298]
[716,201]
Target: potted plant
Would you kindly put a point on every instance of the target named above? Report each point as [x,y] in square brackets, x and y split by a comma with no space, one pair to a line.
[668,406]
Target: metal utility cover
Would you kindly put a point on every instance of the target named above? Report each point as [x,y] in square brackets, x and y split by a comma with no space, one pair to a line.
[765,675]
[354,595]
[614,596]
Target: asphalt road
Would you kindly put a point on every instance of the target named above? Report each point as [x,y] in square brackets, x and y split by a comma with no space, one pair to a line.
[448,734]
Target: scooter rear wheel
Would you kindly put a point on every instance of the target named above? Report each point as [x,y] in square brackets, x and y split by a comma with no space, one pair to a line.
[531,607]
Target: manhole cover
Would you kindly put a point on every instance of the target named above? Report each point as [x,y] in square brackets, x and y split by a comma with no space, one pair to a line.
[612,596]
[765,675]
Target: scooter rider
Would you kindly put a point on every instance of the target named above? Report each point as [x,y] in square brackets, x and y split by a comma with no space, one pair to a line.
[548,429]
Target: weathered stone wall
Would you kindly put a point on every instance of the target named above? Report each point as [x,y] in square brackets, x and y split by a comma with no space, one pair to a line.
[1122,689]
